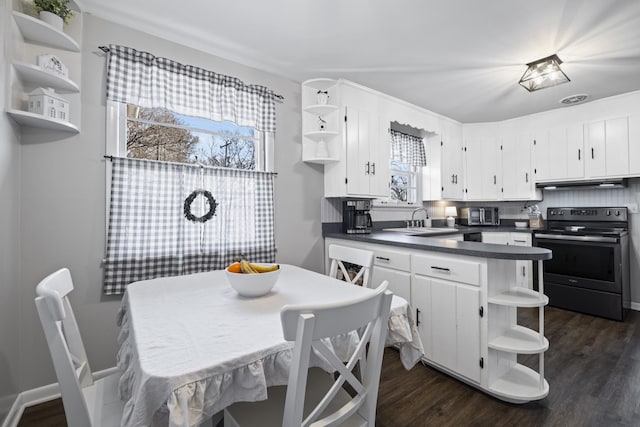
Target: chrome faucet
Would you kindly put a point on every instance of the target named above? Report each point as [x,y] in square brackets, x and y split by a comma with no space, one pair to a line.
[417,223]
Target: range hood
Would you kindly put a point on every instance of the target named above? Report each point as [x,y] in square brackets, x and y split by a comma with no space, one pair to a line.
[583,185]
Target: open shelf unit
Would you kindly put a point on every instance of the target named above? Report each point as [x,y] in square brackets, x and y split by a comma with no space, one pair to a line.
[320,122]
[32,37]
[509,379]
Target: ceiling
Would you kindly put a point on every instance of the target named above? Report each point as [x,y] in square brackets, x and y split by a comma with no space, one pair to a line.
[458,58]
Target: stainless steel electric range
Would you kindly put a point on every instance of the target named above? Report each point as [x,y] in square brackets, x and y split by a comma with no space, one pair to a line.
[589,271]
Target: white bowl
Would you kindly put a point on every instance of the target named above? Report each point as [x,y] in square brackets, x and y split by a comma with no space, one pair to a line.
[253,285]
[521,224]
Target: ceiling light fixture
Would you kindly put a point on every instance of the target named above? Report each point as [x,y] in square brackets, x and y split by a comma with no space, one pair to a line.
[545,72]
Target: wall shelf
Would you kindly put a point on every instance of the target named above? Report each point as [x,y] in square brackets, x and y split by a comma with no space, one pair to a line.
[321,109]
[320,134]
[321,160]
[37,31]
[37,76]
[25,118]
[320,83]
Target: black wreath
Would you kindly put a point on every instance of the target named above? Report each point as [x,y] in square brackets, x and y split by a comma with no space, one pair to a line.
[212,206]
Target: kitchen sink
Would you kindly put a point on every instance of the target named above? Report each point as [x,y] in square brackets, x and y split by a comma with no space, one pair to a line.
[419,231]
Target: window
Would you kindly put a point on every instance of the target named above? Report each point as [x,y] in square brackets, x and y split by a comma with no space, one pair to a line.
[160,134]
[403,182]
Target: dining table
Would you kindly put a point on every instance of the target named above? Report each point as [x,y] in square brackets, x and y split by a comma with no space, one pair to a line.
[191,345]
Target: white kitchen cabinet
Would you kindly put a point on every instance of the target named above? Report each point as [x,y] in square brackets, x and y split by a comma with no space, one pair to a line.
[517,177]
[566,160]
[634,144]
[432,173]
[607,146]
[448,303]
[362,166]
[542,153]
[452,165]
[523,275]
[394,266]
[482,168]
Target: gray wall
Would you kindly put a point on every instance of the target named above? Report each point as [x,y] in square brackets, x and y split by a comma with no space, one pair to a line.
[9,245]
[63,200]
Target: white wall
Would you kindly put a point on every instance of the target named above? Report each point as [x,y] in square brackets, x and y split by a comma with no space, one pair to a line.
[9,244]
[63,199]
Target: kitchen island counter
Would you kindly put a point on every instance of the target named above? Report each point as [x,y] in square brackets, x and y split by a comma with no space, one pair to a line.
[436,242]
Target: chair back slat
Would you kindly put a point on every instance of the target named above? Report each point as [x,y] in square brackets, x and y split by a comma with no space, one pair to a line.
[359,257]
[308,325]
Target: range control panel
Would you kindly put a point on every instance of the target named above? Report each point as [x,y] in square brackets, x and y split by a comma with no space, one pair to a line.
[587,214]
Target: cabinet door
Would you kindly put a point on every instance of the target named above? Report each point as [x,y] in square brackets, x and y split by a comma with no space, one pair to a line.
[468,331]
[542,155]
[558,161]
[524,276]
[490,169]
[473,172]
[358,132]
[399,281]
[617,146]
[379,156]
[595,165]
[421,303]
[575,151]
[634,144]
[443,321]
[452,162]
[517,180]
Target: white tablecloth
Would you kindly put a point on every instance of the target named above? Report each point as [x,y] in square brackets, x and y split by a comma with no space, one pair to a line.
[190,345]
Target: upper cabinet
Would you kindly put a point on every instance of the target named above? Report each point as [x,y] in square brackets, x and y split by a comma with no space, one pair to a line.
[452,163]
[357,157]
[607,146]
[44,62]
[559,153]
[634,144]
[518,182]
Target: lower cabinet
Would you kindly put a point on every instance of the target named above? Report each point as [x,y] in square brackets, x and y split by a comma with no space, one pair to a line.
[524,275]
[449,312]
[465,310]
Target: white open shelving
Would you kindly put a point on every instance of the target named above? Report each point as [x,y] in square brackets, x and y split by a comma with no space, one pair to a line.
[36,31]
[38,37]
[509,379]
[320,145]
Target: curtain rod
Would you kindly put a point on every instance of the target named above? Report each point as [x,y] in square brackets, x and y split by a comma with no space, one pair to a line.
[280,98]
[188,164]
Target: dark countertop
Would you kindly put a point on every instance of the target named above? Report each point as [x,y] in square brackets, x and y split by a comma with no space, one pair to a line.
[439,243]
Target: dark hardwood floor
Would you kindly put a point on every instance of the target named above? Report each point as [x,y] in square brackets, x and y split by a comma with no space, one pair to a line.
[592,366]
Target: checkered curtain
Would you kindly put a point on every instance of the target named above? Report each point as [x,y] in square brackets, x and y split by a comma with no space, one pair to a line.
[149,235]
[142,79]
[407,149]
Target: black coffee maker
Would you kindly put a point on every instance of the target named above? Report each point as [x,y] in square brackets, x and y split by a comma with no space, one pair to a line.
[356,218]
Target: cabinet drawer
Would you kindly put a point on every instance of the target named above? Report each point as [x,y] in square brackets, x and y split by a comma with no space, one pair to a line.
[392,259]
[520,239]
[447,268]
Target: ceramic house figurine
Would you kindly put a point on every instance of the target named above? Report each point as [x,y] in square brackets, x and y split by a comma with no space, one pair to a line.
[48,103]
[52,64]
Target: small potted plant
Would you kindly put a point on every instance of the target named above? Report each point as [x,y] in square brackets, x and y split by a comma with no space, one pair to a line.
[54,12]
[322,96]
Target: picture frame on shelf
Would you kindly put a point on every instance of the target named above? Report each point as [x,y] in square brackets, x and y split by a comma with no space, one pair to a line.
[53,64]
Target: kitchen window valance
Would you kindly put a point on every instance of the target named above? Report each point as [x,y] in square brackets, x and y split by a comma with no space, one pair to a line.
[407,149]
[142,79]
[171,219]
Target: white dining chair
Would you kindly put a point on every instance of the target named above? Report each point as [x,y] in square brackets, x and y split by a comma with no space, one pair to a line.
[88,401]
[312,397]
[362,258]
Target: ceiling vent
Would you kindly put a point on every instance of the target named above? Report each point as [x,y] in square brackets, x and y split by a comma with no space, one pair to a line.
[574,99]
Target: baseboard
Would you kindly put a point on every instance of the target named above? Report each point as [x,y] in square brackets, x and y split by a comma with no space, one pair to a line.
[635,306]
[40,395]
[13,417]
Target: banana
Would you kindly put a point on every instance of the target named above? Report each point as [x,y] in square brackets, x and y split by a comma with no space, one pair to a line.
[264,269]
[246,267]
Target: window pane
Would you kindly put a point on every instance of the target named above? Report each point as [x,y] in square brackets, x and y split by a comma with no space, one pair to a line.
[157,134]
[395,165]
[399,185]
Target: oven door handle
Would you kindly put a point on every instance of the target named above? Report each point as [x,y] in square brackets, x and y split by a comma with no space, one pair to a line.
[602,239]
